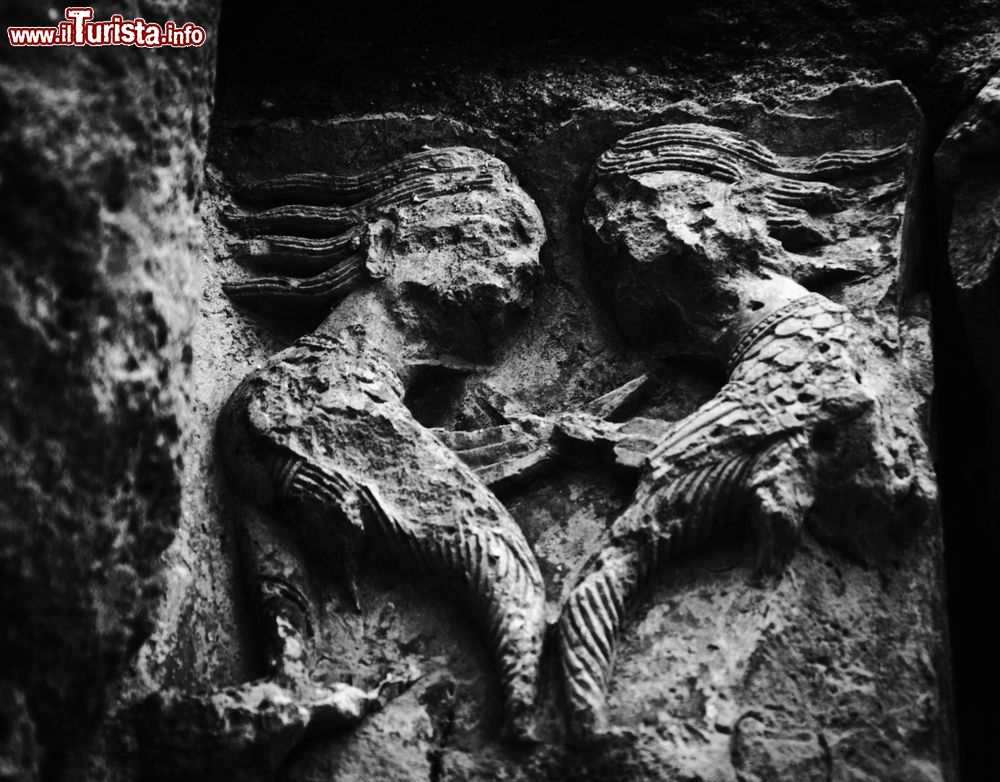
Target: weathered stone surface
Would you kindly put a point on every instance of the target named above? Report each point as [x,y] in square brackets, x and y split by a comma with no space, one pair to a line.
[699,233]
[423,262]
[707,649]
[835,670]
[968,59]
[397,746]
[101,164]
[967,170]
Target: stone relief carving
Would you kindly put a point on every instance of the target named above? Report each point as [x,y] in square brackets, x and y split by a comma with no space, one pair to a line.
[704,245]
[696,233]
[115,382]
[427,260]
[695,229]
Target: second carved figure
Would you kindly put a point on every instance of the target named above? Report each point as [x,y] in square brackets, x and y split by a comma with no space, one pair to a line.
[698,232]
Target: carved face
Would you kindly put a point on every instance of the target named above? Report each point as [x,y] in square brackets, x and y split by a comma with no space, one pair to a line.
[674,252]
[697,230]
[461,262]
[449,232]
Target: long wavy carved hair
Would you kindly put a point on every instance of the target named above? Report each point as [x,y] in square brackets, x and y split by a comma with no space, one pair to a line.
[692,237]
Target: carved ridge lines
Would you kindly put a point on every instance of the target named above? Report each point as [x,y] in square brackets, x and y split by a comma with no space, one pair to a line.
[344,190]
[502,577]
[335,282]
[718,412]
[304,249]
[696,502]
[301,218]
[724,153]
[421,182]
[337,218]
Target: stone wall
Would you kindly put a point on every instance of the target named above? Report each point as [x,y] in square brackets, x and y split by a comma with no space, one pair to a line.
[101,168]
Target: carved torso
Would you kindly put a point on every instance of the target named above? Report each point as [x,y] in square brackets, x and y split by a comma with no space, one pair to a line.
[301,417]
[323,395]
[797,434]
[796,369]
[696,231]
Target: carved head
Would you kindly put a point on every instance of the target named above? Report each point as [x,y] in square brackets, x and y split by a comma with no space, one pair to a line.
[462,259]
[449,233]
[696,228]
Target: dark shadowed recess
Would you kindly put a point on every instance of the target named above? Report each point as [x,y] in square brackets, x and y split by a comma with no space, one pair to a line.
[321,58]
[325,56]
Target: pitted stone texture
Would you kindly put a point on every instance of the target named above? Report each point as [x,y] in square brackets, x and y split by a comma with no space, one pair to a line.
[101,156]
[704,241]
[397,745]
[678,684]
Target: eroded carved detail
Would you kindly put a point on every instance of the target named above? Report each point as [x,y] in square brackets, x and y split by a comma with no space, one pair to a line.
[410,223]
[319,441]
[523,446]
[692,226]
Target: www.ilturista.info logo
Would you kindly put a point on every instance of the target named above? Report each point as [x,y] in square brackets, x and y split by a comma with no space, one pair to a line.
[79,29]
